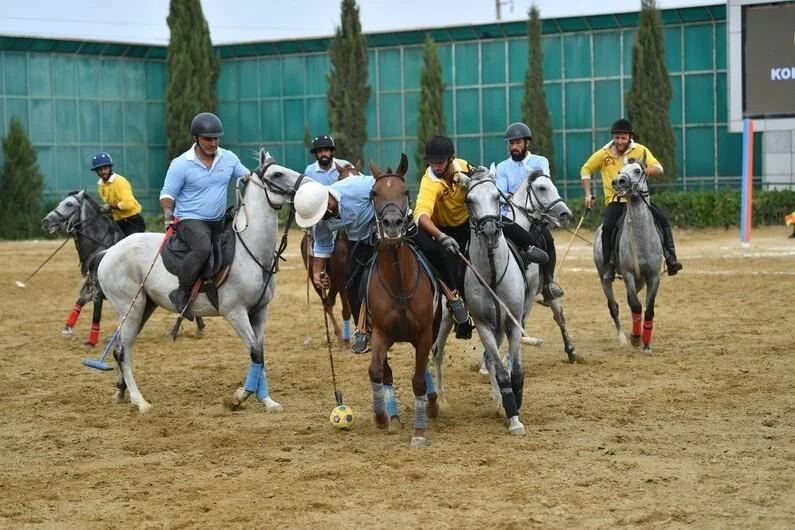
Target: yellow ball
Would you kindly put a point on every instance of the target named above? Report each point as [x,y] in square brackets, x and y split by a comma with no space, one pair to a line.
[342,417]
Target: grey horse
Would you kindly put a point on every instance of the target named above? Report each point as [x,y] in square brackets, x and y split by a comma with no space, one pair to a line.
[243,299]
[537,198]
[490,255]
[639,256]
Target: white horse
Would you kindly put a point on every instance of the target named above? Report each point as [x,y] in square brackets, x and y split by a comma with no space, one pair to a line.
[537,199]
[639,256]
[134,264]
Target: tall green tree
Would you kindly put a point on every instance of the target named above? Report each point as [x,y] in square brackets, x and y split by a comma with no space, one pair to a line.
[192,71]
[21,184]
[348,91]
[535,112]
[649,100]
[430,121]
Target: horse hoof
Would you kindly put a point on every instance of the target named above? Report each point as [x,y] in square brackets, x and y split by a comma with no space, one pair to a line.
[272,406]
[634,340]
[88,346]
[516,428]
[395,425]
[622,339]
[484,371]
[118,398]
[66,331]
[646,348]
[419,441]
[381,420]
[144,407]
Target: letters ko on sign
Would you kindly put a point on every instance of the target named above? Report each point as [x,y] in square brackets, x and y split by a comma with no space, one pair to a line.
[784,73]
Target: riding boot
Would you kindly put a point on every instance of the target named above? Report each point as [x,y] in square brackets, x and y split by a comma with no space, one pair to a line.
[533,254]
[181,300]
[551,290]
[463,324]
[669,251]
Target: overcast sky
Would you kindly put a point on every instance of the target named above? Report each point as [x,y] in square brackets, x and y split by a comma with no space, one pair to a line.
[257,20]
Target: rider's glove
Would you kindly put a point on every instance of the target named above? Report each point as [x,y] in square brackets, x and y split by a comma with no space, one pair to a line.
[449,244]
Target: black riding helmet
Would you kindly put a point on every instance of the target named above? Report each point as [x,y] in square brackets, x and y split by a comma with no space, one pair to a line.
[323,142]
[621,125]
[518,131]
[439,148]
[206,124]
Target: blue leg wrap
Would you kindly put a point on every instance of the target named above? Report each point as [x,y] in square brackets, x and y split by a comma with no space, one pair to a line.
[252,379]
[430,387]
[262,386]
[420,412]
[346,330]
[378,397]
[391,402]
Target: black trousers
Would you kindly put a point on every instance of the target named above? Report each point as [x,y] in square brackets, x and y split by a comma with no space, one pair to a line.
[132,225]
[613,212]
[361,252]
[539,236]
[446,264]
[198,235]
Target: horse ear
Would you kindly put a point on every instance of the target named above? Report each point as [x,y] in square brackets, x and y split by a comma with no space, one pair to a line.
[493,170]
[263,156]
[358,165]
[374,169]
[404,165]
[340,169]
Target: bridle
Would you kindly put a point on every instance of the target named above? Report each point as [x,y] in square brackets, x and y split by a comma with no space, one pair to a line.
[534,206]
[401,210]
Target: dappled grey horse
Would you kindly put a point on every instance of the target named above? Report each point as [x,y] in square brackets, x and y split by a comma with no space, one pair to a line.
[537,198]
[94,231]
[516,288]
[639,256]
[242,300]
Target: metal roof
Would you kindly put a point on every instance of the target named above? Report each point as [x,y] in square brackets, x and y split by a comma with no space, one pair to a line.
[494,30]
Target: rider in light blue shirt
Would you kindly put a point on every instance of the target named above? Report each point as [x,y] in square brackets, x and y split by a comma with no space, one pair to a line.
[510,174]
[345,206]
[324,169]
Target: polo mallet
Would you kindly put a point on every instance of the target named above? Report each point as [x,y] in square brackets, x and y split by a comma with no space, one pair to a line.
[337,392]
[574,235]
[99,364]
[21,285]
[526,339]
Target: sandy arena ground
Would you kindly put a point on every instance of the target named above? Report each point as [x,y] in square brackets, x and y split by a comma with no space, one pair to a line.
[700,434]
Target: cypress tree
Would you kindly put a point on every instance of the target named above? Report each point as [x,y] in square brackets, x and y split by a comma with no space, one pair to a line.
[430,121]
[348,91]
[535,112]
[192,72]
[21,184]
[649,99]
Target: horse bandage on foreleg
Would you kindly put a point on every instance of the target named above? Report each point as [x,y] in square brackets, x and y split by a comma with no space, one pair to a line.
[346,329]
[636,320]
[262,386]
[71,320]
[378,397]
[648,327]
[391,402]
[421,412]
[93,337]
[252,379]
[430,386]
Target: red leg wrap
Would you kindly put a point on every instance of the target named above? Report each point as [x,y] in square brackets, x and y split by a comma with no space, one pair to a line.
[648,327]
[72,319]
[93,337]
[636,318]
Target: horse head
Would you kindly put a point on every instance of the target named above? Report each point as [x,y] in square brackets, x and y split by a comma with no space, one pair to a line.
[67,216]
[483,204]
[390,198]
[544,200]
[279,183]
[349,169]
[631,180]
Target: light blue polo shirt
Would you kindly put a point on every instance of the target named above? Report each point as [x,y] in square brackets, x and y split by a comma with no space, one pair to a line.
[198,192]
[511,174]
[355,210]
[325,177]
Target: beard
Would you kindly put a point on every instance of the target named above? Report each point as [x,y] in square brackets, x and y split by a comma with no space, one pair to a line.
[324,161]
[518,156]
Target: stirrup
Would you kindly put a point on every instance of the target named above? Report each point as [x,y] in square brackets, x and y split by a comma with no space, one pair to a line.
[463,330]
[459,310]
[360,342]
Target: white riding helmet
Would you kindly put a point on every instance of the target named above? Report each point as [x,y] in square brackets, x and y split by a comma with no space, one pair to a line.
[310,202]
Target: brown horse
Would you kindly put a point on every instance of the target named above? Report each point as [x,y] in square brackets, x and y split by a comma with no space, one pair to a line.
[402,301]
[335,270]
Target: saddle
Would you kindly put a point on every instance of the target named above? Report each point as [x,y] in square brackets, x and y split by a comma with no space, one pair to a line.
[216,269]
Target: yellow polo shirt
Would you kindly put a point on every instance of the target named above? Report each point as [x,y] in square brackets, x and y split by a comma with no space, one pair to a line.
[445,204]
[608,167]
[118,193]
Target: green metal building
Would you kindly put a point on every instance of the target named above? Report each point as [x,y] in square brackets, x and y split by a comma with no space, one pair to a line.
[76,98]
